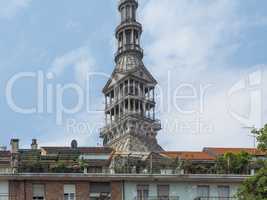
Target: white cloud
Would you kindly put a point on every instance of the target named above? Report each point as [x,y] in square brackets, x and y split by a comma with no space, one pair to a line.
[9,8]
[79,60]
[190,34]
[192,41]
[83,126]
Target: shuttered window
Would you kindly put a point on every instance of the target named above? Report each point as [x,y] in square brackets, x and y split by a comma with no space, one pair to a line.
[223,192]
[69,192]
[4,190]
[100,191]
[203,191]
[163,192]
[142,192]
[38,192]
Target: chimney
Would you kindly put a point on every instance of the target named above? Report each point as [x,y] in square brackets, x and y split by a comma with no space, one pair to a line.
[14,145]
[34,145]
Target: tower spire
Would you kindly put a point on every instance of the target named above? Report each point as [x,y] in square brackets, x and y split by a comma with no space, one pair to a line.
[131,123]
[128,32]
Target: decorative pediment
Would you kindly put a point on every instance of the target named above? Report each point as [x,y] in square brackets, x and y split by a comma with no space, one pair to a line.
[140,73]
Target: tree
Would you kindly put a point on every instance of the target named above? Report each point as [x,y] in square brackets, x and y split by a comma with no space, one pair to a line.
[261,138]
[231,163]
[255,188]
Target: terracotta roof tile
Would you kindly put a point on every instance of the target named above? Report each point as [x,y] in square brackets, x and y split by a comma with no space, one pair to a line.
[220,151]
[105,150]
[187,155]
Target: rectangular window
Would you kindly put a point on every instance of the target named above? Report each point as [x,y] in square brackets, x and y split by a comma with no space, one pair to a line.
[99,191]
[4,190]
[203,191]
[69,192]
[163,192]
[223,192]
[38,192]
[142,192]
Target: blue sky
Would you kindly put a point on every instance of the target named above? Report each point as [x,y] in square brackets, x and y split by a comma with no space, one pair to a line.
[213,44]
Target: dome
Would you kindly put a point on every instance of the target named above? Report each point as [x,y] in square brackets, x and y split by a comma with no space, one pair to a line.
[74,144]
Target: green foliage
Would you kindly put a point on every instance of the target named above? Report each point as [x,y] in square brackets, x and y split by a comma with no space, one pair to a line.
[61,167]
[262,138]
[176,165]
[33,166]
[255,188]
[83,164]
[231,163]
[193,168]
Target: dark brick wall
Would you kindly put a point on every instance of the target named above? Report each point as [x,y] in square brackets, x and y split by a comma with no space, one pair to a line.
[20,190]
[116,190]
[82,190]
[54,190]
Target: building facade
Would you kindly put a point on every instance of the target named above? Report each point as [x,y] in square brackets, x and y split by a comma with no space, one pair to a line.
[118,187]
[131,165]
[102,173]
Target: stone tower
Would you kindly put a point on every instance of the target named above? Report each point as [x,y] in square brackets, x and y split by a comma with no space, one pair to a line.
[129,93]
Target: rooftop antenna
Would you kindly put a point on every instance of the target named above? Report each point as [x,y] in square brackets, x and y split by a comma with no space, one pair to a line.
[252,134]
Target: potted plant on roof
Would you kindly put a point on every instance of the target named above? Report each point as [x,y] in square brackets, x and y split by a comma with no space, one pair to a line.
[83,166]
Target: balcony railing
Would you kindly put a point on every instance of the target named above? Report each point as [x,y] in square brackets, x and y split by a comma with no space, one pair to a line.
[158,198]
[215,198]
[128,47]
[77,197]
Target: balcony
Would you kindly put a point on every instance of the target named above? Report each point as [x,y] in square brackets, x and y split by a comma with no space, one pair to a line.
[82,197]
[158,198]
[215,198]
[129,47]
[155,123]
[128,23]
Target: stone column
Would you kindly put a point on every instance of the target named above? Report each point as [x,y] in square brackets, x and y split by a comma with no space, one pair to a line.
[124,40]
[132,36]
[106,101]
[119,105]
[129,83]
[110,99]
[144,91]
[129,105]
[134,87]
[154,113]
[139,106]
